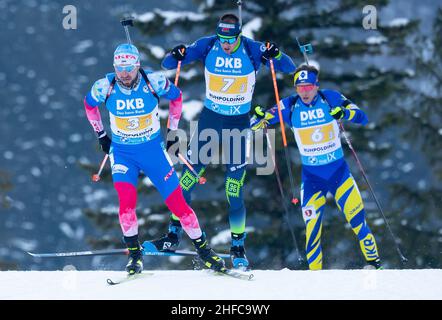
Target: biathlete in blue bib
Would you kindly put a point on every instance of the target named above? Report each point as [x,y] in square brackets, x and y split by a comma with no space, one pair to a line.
[131,95]
[312,115]
[231,62]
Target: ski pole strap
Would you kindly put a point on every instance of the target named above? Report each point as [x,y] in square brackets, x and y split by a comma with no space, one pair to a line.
[111,88]
[144,75]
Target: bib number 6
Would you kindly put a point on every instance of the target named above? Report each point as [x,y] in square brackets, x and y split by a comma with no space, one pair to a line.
[317,135]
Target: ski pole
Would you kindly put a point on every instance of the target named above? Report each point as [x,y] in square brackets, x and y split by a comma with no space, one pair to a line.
[284,139]
[177,76]
[347,140]
[281,191]
[96,177]
[201,180]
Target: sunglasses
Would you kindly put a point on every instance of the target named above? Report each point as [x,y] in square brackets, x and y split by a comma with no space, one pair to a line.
[306,88]
[128,68]
[228,40]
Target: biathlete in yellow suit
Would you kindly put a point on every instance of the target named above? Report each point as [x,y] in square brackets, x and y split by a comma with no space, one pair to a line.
[312,114]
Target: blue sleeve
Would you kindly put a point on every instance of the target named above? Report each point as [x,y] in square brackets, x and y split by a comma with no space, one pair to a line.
[163,86]
[286,105]
[196,51]
[98,92]
[352,112]
[284,64]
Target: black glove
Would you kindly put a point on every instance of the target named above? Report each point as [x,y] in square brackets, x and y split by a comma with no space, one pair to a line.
[170,143]
[272,51]
[179,52]
[105,142]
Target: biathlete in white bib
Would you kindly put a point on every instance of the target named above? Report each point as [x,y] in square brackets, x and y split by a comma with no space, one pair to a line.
[131,95]
[312,114]
[231,62]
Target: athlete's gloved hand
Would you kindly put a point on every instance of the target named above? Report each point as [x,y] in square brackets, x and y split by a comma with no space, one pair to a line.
[105,142]
[272,52]
[260,118]
[337,113]
[179,52]
[170,143]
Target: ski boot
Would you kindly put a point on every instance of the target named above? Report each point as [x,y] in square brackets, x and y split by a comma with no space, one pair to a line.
[171,240]
[135,263]
[206,254]
[374,264]
[238,253]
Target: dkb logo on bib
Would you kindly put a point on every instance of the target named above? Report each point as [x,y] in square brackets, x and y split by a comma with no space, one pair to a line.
[233,63]
[312,114]
[130,104]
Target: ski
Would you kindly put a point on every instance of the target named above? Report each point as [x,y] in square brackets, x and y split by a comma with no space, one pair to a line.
[235,274]
[148,250]
[128,278]
[80,253]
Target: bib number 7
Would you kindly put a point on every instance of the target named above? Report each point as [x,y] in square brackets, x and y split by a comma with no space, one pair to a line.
[228,82]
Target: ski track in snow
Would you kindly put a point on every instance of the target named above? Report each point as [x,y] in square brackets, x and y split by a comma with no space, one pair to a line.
[202,285]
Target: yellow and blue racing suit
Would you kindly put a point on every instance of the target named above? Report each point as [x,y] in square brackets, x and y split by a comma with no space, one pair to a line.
[324,168]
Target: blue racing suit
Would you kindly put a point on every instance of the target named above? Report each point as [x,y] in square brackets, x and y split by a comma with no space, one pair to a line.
[230,83]
[324,168]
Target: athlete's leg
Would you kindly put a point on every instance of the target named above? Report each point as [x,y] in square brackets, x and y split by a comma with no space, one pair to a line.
[234,183]
[313,192]
[163,176]
[235,134]
[160,171]
[188,180]
[125,175]
[349,201]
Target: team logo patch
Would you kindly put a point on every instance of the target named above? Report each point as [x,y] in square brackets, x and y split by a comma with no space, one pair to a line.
[187,181]
[309,213]
[233,187]
[119,168]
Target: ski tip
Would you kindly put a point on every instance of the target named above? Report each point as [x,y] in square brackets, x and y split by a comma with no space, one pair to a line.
[110,282]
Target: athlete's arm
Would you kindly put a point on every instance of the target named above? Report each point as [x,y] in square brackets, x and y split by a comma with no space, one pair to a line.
[196,51]
[91,102]
[285,105]
[351,111]
[282,63]
[270,117]
[165,88]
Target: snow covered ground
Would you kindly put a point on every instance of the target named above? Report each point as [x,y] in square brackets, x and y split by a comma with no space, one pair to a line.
[203,285]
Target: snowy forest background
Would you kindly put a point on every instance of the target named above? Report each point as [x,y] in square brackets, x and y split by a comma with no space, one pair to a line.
[48,151]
